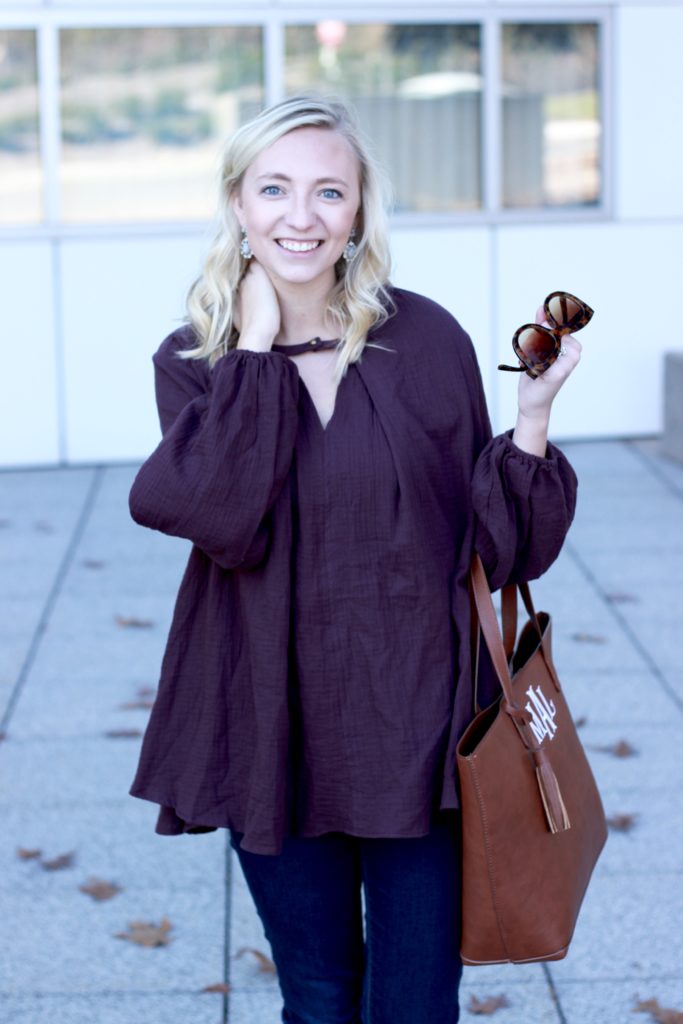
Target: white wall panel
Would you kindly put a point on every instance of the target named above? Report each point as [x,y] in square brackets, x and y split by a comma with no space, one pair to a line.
[29,432]
[453,268]
[649,102]
[628,273]
[121,298]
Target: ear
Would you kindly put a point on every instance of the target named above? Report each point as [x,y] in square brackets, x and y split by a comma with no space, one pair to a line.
[236,204]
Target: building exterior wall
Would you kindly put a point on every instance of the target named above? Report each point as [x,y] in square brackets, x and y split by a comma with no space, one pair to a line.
[84,308]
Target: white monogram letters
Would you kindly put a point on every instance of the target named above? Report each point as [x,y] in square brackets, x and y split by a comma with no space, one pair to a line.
[542,713]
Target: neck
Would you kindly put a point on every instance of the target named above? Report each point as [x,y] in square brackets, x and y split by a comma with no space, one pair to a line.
[302,313]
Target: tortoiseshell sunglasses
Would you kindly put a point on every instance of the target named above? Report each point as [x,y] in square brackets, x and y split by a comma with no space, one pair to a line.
[538,347]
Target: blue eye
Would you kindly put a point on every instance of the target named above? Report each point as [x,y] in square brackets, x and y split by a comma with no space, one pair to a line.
[331,193]
[271,190]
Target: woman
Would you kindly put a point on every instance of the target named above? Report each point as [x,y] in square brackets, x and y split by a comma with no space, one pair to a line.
[317,674]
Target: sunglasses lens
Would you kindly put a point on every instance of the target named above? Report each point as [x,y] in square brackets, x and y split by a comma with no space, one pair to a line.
[565,309]
[535,345]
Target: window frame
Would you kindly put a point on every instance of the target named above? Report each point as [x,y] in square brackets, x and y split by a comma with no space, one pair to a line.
[273,20]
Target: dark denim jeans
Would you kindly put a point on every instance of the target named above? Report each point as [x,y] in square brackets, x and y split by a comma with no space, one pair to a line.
[406,969]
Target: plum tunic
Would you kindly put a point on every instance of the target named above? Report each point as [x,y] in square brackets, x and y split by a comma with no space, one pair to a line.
[317,672]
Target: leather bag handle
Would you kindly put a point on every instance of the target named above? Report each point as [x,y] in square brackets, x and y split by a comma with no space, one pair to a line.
[488,624]
[551,796]
[480,589]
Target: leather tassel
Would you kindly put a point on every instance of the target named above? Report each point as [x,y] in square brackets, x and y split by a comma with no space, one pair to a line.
[553,804]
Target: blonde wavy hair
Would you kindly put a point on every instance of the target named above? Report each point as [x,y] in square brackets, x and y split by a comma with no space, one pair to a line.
[359,300]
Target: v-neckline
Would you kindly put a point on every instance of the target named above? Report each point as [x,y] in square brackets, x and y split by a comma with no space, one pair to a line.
[323,427]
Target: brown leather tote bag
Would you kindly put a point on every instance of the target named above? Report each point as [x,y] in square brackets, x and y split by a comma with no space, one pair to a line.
[533,824]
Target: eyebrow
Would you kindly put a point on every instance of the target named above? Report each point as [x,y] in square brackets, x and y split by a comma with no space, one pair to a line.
[276,176]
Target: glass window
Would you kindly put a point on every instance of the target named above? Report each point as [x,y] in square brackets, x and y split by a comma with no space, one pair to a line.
[417,90]
[551,115]
[20,167]
[143,111]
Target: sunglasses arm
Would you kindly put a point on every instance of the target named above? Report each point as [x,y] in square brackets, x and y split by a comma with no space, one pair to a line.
[518,369]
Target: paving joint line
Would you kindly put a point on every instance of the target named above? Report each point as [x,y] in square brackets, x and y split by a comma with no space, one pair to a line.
[652,468]
[626,627]
[554,994]
[51,599]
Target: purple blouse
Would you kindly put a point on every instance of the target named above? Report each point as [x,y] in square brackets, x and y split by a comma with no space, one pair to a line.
[317,672]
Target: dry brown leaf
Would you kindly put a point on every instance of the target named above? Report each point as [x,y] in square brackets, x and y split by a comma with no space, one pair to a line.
[485,1007]
[130,622]
[621,749]
[580,722]
[64,860]
[24,854]
[145,933]
[147,691]
[132,705]
[119,734]
[99,889]
[265,964]
[659,1013]
[622,822]
[92,563]
[589,638]
[220,986]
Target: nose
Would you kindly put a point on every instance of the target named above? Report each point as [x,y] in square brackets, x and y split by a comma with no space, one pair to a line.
[300,214]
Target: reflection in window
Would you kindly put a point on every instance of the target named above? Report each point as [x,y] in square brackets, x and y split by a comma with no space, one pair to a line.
[143,113]
[551,115]
[20,168]
[417,91]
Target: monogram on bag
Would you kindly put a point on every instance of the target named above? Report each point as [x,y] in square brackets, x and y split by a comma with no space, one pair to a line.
[533,824]
[542,713]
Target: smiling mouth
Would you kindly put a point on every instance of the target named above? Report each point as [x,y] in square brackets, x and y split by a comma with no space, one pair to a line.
[292,246]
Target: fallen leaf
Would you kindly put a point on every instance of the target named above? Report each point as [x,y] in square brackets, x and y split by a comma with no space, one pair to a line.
[485,1007]
[265,964]
[131,705]
[624,749]
[133,623]
[24,854]
[580,722]
[120,734]
[64,860]
[221,986]
[659,1013]
[145,933]
[588,638]
[99,889]
[621,749]
[621,598]
[146,691]
[3,736]
[622,822]
[92,563]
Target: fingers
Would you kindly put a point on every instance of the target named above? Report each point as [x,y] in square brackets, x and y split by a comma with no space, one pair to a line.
[572,350]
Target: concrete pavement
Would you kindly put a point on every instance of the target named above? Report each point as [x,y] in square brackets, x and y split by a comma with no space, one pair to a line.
[85,604]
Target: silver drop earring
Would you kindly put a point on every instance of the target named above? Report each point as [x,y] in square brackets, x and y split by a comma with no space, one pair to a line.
[350,249]
[245,248]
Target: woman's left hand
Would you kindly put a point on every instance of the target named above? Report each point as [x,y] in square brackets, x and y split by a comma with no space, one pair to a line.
[536,395]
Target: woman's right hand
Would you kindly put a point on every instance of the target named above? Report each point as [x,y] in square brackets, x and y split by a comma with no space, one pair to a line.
[257,311]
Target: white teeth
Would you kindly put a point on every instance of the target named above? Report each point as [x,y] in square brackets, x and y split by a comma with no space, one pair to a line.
[298,246]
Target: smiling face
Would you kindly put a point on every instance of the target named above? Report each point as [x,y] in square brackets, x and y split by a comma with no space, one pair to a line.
[299,202]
